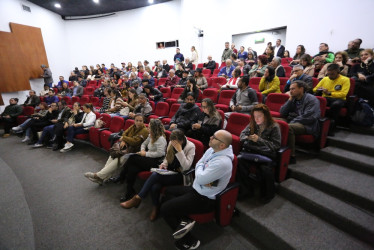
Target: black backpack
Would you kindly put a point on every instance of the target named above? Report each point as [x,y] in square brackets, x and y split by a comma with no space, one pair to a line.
[363,114]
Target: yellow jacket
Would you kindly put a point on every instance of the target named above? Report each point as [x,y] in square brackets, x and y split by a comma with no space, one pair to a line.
[269,87]
[339,87]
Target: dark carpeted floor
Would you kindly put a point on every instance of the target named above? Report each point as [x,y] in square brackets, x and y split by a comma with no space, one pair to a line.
[47,203]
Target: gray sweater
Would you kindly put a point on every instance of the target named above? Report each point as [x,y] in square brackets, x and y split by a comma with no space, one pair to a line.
[247,98]
[156,149]
[308,114]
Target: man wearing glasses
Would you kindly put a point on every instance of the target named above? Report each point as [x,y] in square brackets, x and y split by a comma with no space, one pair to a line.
[298,74]
[212,174]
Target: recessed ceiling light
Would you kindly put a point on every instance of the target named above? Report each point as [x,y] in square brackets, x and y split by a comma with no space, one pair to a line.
[95,1]
[150,1]
[57,5]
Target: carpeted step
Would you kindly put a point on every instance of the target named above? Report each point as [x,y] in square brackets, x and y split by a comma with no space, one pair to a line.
[352,220]
[346,184]
[359,143]
[357,161]
[281,224]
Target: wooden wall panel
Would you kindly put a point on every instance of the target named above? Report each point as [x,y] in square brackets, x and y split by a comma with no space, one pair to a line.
[21,54]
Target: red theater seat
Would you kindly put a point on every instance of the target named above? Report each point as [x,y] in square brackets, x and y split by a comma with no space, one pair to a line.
[173,109]
[224,100]
[274,101]
[116,125]
[94,133]
[235,125]
[26,113]
[162,109]
[211,94]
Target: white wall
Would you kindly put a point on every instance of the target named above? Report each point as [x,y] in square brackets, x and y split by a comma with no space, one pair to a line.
[248,40]
[131,35]
[53,32]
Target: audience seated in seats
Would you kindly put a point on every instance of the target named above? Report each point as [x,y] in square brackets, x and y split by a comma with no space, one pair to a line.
[129,67]
[341,59]
[136,85]
[154,67]
[179,157]
[55,109]
[143,107]
[354,51]
[306,62]
[261,140]
[244,99]
[45,91]
[187,65]
[363,73]
[58,85]
[254,53]
[269,53]
[97,76]
[73,77]
[201,82]
[32,100]
[134,78]
[171,81]
[106,101]
[151,155]
[269,83]
[234,50]
[179,69]
[76,116]
[334,88]
[139,65]
[77,90]
[187,114]
[149,71]
[279,49]
[194,58]
[132,100]
[64,90]
[212,174]
[258,69]
[82,127]
[82,82]
[116,103]
[242,53]
[300,51]
[160,72]
[9,115]
[147,76]
[85,71]
[43,109]
[276,64]
[183,81]
[131,140]
[141,72]
[133,70]
[286,54]
[207,124]
[227,52]
[99,92]
[51,98]
[211,64]
[324,55]
[178,55]
[152,93]
[226,71]
[317,68]
[232,83]
[234,60]
[189,88]
[244,68]
[47,75]
[165,66]
[297,74]
[301,112]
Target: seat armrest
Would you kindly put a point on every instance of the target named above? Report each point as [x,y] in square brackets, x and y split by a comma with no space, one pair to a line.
[102,129]
[282,150]
[162,117]
[188,172]
[229,187]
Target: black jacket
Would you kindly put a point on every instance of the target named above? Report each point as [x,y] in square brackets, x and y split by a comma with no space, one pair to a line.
[66,113]
[210,65]
[184,118]
[35,100]
[157,95]
[187,90]
[280,51]
[166,67]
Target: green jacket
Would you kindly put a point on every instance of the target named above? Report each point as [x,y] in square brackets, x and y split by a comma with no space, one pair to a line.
[12,110]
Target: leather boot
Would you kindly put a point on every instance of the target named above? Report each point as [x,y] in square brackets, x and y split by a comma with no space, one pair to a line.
[134,202]
[154,213]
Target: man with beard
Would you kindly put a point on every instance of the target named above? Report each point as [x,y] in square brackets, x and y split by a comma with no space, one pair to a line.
[324,55]
[187,114]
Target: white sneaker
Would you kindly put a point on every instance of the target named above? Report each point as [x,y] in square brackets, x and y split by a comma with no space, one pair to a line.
[68,146]
[37,145]
[16,128]
[26,139]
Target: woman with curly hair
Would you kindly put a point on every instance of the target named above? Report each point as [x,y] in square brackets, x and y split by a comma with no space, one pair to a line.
[259,69]
[151,154]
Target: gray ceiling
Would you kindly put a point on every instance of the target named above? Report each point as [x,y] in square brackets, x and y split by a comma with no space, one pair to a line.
[88,7]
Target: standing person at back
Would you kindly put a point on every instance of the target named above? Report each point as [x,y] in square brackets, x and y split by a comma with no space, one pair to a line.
[279,49]
[226,54]
[47,75]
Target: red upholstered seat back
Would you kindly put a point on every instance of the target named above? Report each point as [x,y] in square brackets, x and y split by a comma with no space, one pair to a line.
[237,123]
[117,124]
[274,101]
[284,132]
[210,93]
[225,97]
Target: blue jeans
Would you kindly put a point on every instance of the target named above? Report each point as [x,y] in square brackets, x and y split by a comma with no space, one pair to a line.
[46,130]
[73,131]
[155,183]
[24,125]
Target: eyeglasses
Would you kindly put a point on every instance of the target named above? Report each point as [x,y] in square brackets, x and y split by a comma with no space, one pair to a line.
[214,137]
[204,107]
